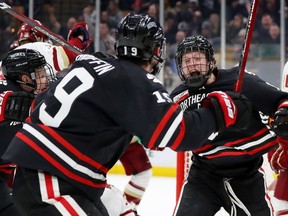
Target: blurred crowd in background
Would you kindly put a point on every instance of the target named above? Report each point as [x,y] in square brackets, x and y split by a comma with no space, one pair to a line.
[181,18]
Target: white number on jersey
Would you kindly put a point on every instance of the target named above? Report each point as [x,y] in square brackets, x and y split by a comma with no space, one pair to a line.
[66,99]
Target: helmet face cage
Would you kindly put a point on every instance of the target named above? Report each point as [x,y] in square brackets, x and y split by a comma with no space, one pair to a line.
[202,70]
[140,37]
[28,33]
[42,77]
[29,62]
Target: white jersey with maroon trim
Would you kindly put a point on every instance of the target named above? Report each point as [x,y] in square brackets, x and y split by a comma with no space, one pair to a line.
[55,56]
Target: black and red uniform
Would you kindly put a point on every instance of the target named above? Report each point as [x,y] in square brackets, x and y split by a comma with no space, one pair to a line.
[8,129]
[226,166]
[85,123]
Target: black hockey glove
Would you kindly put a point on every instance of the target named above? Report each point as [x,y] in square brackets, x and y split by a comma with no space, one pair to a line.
[280,123]
[18,105]
[231,109]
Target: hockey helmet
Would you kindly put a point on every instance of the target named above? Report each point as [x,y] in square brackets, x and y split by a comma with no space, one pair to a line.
[141,37]
[26,32]
[198,44]
[24,61]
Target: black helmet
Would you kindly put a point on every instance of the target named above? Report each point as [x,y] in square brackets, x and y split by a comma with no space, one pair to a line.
[140,37]
[199,44]
[24,62]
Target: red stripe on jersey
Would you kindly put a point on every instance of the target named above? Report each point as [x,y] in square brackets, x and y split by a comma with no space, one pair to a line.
[182,97]
[49,186]
[180,136]
[7,165]
[8,171]
[259,133]
[55,59]
[236,142]
[252,152]
[57,165]
[162,124]
[73,150]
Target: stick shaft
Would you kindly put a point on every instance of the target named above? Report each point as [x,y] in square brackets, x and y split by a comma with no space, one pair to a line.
[5,7]
[246,45]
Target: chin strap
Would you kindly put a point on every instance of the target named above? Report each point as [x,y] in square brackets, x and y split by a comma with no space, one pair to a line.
[27,84]
[157,67]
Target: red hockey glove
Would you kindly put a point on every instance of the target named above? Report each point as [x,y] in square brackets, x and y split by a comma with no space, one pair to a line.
[231,109]
[280,123]
[278,158]
[80,28]
[17,105]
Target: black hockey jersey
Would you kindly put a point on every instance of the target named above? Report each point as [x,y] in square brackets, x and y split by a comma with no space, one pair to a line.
[231,152]
[87,120]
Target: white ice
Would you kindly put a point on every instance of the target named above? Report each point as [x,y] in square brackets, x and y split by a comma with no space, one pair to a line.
[160,196]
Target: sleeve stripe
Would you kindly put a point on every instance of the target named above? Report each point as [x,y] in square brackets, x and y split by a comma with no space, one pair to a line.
[162,124]
[171,130]
[179,138]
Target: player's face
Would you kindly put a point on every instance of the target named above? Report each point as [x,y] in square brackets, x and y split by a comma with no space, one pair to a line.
[194,64]
[41,80]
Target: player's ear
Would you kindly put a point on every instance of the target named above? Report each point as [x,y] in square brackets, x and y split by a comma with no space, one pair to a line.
[25,78]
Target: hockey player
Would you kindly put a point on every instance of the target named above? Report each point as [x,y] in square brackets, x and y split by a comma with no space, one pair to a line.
[86,121]
[136,164]
[58,58]
[278,157]
[224,171]
[16,65]
[28,74]
[28,34]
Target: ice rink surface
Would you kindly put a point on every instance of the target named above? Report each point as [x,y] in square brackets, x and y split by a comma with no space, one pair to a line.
[160,197]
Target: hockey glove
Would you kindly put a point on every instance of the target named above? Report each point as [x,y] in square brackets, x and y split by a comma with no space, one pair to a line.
[80,28]
[231,109]
[278,158]
[18,105]
[3,101]
[280,123]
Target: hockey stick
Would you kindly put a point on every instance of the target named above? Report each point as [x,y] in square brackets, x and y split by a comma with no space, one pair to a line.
[246,45]
[5,7]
